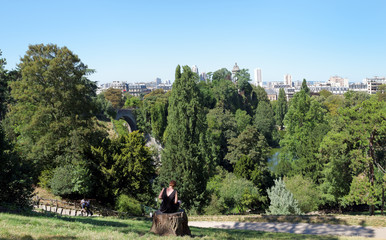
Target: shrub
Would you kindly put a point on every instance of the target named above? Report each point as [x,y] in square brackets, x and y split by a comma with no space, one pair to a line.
[305,192]
[129,205]
[282,200]
[61,182]
[45,178]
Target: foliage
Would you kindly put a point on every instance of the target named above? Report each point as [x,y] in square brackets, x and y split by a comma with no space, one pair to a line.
[115,97]
[264,121]
[185,157]
[306,126]
[69,180]
[15,180]
[242,119]
[305,87]
[52,117]
[281,108]
[126,166]
[281,199]
[132,101]
[222,126]
[121,127]
[356,143]
[226,95]
[229,191]
[221,74]
[249,152]
[129,205]
[305,192]
[103,107]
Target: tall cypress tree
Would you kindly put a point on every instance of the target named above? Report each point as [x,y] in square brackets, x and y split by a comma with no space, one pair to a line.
[184,157]
[281,108]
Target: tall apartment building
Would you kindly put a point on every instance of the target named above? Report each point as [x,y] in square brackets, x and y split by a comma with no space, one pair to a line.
[288,80]
[257,77]
[374,83]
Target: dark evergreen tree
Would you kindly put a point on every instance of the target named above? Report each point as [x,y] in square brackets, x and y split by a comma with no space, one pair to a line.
[185,156]
[281,108]
[305,87]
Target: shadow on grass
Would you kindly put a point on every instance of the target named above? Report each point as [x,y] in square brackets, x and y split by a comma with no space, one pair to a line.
[245,234]
[314,219]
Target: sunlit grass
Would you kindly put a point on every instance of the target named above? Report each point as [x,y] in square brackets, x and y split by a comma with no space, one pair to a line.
[38,226]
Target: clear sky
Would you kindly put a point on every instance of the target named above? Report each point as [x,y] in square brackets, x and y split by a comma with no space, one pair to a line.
[140,40]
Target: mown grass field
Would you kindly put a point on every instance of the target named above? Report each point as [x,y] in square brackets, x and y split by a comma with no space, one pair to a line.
[356,220]
[40,226]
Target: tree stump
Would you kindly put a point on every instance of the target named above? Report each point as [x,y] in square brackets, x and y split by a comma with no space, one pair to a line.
[175,224]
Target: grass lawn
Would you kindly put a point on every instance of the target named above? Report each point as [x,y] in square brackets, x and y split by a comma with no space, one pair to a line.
[361,220]
[39,226]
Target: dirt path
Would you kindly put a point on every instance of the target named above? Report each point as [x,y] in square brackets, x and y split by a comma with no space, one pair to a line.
[299,228]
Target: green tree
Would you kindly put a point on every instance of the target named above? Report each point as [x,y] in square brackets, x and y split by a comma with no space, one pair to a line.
[281,108]
[185,157]
[226,95]
[305,87]
[222,126]
[358,136]
[249,152]
[306,126]
[242,119]
[127,166]
[115,97]
[52,116]
[15,180]
[264,121]
[221,74]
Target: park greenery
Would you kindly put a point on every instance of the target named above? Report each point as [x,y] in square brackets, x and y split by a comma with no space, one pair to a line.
[216,137]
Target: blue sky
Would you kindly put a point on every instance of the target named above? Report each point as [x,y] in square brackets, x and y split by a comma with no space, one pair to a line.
[140,40]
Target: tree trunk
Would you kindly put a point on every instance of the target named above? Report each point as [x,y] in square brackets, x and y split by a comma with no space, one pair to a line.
[175,224]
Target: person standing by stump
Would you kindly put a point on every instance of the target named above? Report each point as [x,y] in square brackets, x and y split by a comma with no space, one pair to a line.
[88,208]
[169,196]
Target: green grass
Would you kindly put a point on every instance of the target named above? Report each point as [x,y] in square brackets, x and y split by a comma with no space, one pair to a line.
[39,226]
[360,220]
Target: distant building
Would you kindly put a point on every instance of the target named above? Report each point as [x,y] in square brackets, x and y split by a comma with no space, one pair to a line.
[374,83]
[257,77]
[288,80]
[358,87]
[195,69]
[203,76]
[337,81]
[158,81]
[271,94]
[235,70]
[137,89]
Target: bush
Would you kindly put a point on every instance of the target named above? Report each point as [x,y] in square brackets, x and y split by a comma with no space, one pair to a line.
[45,178]
[282,200]
[70,179]
[305,192]
[128,205]
[61,182]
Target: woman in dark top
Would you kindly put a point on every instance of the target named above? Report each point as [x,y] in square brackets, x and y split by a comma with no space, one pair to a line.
[169,199]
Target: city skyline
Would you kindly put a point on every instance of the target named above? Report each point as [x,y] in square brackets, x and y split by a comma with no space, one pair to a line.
[138,42]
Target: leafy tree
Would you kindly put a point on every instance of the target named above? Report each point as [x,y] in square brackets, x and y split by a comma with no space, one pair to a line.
[282,200]
[243,77]
[305,192]
[15,180]
[333,103]
[103,107]
[305,87]
[354,98]
[249,153]
[226,95]
[115,97]
[381,93]
[242,119]
[185,157]
[222,126]
[51,118]
[358,138]
[221,74]
[305,128]
[264,121]
[281,108]
[324,93]
[131,101]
